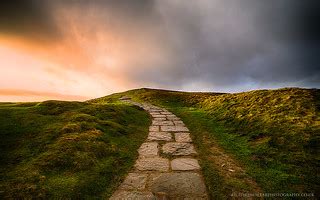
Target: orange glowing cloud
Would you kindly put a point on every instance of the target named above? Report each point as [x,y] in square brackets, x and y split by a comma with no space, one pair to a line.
[92,56]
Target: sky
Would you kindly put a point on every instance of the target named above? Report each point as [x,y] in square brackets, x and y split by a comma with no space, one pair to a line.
[82,49]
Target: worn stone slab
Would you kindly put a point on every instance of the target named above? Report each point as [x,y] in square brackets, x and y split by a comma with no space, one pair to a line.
[152,164]
[180,186]
[178,149]
[155,110]
[178,123]
[174,118]
[174,128]
[154,128]
[182,137]
[185,164]
[148,149]
[162,116]
[160,119]
[159,136]
[155,113]
[132,195]
[162,123]
[166,113]
[134,181]
[171,115]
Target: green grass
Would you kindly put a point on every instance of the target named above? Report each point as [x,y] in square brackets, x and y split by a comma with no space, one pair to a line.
[71,150]
[273,134]
[65,150]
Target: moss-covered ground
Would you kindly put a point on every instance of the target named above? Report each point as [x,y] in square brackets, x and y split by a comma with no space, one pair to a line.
[67,150]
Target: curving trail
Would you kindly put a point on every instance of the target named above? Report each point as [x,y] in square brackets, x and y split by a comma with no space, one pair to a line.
[167,167]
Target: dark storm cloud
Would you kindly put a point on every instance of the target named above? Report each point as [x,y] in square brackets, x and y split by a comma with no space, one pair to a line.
[217,43]
[309,21]
[228,43]
[34,18]
[27,18]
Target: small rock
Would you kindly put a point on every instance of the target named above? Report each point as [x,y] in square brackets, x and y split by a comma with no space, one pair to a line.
[125,98]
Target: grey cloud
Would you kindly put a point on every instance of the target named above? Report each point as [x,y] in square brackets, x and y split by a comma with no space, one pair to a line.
[225,43]
[218,43]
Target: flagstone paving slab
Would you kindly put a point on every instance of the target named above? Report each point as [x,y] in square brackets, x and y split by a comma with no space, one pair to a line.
[162,123]
[132,195]
[173,118]
[155,110]
[182,137]
[166,113]
[152,164]
[160,119]
[178,149]
[155,113]
[148,149]
[154,128]
[178,123]
[180,185]
[159,136]
[185,164]
[161,116]
[136,181]
[174,128]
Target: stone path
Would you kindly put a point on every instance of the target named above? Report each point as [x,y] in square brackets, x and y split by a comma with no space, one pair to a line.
[167,167]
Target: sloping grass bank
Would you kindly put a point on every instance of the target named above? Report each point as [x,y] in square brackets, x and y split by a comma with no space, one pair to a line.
[273,134]
[67,150]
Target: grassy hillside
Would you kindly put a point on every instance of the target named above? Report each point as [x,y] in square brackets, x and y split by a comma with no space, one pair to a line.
[273,134]
[67,150]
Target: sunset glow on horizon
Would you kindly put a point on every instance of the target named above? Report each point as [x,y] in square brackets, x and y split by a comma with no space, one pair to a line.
[78,50]
[37,78]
